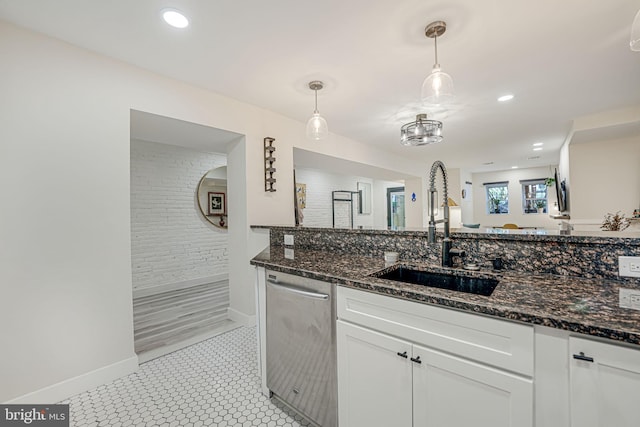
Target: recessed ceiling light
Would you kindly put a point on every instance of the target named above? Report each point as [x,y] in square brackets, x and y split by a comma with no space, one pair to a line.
[533,157]
[538,144]
[487,163]
[505,98]
[514,167]
[537,149]
[175,18]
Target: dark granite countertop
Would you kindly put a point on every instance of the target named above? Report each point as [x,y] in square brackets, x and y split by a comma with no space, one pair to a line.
[587,306]
[631,238]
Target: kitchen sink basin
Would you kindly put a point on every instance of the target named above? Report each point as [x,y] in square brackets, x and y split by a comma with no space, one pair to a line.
[454,282]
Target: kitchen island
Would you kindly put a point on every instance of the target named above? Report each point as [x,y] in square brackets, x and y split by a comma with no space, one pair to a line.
[551,340]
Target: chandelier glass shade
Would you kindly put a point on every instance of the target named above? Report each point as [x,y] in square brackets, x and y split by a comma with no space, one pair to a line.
[421,132]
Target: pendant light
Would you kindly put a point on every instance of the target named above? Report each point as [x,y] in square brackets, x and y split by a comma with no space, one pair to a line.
[317,128]
[421,132]
[437,88]
[634,42]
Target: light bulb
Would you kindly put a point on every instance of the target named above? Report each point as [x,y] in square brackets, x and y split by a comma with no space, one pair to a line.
[437,88]
[317,127]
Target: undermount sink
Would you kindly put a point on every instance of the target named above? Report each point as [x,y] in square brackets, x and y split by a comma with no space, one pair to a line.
[470,284]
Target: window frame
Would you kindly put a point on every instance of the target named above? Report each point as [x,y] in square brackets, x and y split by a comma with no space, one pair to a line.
[503,205]
[529,204]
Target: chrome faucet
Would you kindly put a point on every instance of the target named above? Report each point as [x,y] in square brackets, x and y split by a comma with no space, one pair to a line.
[447,259]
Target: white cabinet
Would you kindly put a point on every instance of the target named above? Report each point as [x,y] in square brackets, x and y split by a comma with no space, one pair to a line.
[407,372]
[604,384]
[454,392]
[374,382]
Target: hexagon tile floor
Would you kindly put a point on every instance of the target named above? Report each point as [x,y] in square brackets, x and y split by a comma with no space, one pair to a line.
[212,383]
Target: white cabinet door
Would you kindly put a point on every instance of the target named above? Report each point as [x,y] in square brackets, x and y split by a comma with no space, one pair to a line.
[605,391]
[374,386]
[454,392]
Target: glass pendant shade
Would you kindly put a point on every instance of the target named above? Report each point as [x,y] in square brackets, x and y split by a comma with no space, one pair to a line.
[421,132]
[634,42]
[317,128]
[437,88]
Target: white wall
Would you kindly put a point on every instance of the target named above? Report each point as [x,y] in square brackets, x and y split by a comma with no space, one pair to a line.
[466,204]
[170,240]
[516,214]
[320,184]
[605,178]
[65,259]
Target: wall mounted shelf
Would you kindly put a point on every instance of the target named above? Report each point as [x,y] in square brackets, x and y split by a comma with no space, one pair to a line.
[269,160]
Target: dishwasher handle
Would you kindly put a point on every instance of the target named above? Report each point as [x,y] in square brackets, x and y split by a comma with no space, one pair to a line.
[288,288]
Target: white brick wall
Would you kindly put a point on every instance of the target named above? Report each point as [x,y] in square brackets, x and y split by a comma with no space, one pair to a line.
[319,187]
[170,241]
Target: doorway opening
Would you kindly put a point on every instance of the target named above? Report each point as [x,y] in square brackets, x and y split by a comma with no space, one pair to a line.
[179,251]
[395,208]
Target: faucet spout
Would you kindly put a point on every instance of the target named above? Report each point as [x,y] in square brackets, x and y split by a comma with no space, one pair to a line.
[447,259]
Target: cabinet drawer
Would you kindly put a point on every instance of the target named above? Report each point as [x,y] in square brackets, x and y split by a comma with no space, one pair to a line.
[499,343]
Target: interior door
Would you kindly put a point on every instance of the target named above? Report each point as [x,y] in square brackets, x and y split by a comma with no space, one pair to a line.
[395,208]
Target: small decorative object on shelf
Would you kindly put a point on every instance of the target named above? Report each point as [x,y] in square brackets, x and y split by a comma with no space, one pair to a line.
[269,159]
[615,222]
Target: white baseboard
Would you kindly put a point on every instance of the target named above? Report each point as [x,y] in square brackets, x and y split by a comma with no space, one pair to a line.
[241,318]
[72,386]
[168,287]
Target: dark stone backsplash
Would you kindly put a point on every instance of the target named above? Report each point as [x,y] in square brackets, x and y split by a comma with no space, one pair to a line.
[583,256]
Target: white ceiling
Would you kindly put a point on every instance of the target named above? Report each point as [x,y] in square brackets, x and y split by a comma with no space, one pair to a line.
[562,60]
[166,130]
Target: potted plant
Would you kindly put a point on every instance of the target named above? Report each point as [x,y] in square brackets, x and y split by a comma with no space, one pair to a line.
[616,222]
[495,202]
[549,181]
[540,204]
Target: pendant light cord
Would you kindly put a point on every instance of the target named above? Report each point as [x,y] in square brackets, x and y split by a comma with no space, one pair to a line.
[316,92]
[435,40]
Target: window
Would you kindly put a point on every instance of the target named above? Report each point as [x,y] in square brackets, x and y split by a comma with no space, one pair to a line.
[534,196]
[497,197]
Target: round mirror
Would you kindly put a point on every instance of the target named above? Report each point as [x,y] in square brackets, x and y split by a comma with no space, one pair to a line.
[212,196]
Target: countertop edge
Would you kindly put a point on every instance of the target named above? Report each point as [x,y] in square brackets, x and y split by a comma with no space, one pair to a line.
[510,315]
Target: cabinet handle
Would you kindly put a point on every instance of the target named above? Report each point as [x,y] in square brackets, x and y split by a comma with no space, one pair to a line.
[416,360]
[403,354]
[581,356]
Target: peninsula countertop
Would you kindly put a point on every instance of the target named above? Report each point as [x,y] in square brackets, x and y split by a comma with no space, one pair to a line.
[583,305]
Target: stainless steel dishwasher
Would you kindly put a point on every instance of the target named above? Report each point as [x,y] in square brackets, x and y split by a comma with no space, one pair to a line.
[301,345]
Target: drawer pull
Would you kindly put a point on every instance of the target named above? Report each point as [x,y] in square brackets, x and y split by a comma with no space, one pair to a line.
[416,360]
[581,356]
[403,354]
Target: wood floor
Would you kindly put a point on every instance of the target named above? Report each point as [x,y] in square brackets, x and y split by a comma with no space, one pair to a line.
[163,322]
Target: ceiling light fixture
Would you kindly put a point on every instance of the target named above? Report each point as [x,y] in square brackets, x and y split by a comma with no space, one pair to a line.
[538,144]
[437,88]
[634,42]
[421,132]
[175,18]
[317,127]
[514,167]
[505,98]
[537,149]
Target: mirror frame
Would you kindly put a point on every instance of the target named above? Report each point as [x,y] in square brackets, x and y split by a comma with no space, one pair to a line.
[222,224]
